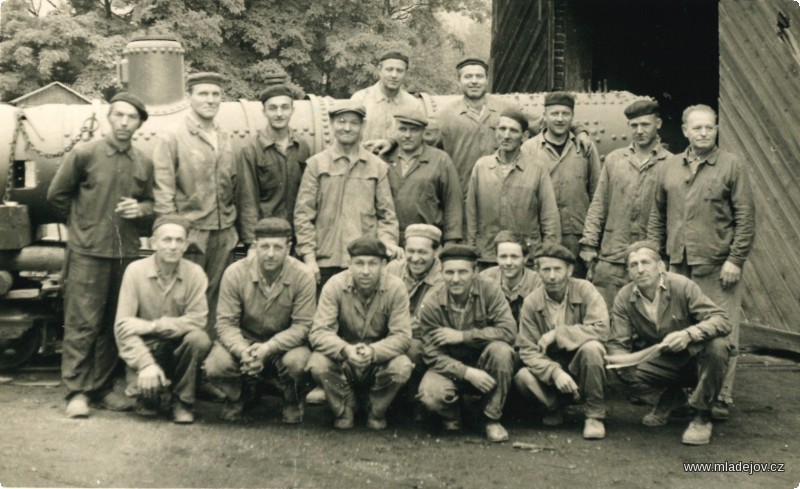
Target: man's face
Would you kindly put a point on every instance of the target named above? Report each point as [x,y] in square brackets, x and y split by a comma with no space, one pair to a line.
[472,79]
[169,243]
[555,273]
[271,253]
[124,120]
[366,272]
[432,134]
[392,73]
[508,134]
[644,129]
[510,260]
[701,130]
[278,111]
[644,268]
[420,255]
[557,119]
[347,128]
[458,275]
[409,136]
[204,98]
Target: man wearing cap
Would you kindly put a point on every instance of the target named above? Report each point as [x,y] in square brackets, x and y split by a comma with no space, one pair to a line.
[573,172]
[467,330]
[386,98]
[508,191]
[360,335]
[563,324]
[103,189]
[272,163]
[514,278]
[344,194]
[196,177]
[266,305]
[622,201]
[423,180]
[669,310]
[160,323]
[705,216]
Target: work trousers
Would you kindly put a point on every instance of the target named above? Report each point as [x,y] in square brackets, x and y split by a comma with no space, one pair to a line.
[341,381]
[608,278]
[585,365]
[441,394]
[570,241]
[212,250]
[89,352]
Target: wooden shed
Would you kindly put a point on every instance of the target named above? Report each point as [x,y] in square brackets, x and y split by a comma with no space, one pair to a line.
[54,93]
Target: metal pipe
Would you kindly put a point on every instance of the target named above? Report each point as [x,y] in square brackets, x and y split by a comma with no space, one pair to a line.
[33,258]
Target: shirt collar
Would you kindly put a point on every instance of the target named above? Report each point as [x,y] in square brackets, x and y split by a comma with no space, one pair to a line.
[266,140]
[497,161]
[380,96]
[658,150]
[362,154]
[112,147]
[488,106]
[255,270]
[151,268]
[349,283]
[710,158]
[571,297]
[443,295]
[194,123]
[662,285]
[544,141]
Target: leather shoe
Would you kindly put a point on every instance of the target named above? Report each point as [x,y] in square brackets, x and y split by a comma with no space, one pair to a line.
[376,423]
[146,408]
[345,421]
[292,414]
[495,432]
[594,429]
[451,425]
[720,411]
[698,432]
[78,406]
[232,411]
[182,412]
[316,396]
[116,402]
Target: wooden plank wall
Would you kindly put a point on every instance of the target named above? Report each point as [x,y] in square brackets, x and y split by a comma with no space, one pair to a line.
[522,44]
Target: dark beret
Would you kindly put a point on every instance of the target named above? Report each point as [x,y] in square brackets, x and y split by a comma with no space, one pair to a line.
[348,106]
[458,252]
[642,107]
[412,116]
[517,116]
[472,61]
[172,219]
[366,246]
[394,55]
[556,250]
[204,77]
[273,227]
[133,100]
[648,244]
[275,91]
[559,98]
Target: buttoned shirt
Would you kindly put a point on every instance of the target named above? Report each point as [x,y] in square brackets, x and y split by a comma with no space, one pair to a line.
[340,200]
[168,311]
[515,295]
[270,180]
[705,217]
[343,319]
[194,177]
[574,177]
[86,189]
[620,209]
[417,289]
[522,202]
[379,123]
[649,308]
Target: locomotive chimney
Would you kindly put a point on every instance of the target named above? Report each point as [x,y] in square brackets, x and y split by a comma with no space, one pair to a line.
[153,70]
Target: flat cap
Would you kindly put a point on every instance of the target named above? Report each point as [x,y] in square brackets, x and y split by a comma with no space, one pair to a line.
[458,252]
[273,227]
[133,100]
[394,55]
[275,91]
[647,244]
[348,106]
[423,231]
[366,246]
[172,219]
[559,98]
[472,61]
[556,250]
[642,107]
[204,77]
[517,116]
[412,116]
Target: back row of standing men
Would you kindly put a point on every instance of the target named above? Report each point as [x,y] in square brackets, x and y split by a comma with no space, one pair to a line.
[550,189]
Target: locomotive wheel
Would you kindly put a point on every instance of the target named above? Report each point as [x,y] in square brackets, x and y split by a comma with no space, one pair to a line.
[15,353]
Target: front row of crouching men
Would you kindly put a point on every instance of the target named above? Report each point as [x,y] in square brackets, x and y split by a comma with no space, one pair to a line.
[366,339]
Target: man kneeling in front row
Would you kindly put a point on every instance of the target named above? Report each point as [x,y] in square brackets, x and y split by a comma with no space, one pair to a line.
[160,322]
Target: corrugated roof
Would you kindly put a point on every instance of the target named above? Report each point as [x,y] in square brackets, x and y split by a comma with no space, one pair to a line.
[50,86]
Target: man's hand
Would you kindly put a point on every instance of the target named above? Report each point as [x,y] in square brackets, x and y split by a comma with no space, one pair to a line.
[379,146]
[584,142]
[359,356]
[730,274]
[479,379]
[395,252]
[547,339]
[311,262]
[128,208]
[447,336]
[588,255]
[677,340]
[151,380]
[253,358]
[564,383]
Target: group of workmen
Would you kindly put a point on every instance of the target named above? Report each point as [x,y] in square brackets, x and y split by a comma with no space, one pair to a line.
[439,260]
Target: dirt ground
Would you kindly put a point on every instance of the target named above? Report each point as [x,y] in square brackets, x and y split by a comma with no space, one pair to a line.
[40,447]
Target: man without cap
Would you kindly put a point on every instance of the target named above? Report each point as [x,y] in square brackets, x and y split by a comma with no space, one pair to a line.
[563,324]
[467,331]
[508,191]
[573,172]
[160,323]
[103,189]
[344,194]
[669,310]
[705,214]
[196,177]
[622,201]
[360,335]
[424,182]
[515,279]
[272,163]
[266,305]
